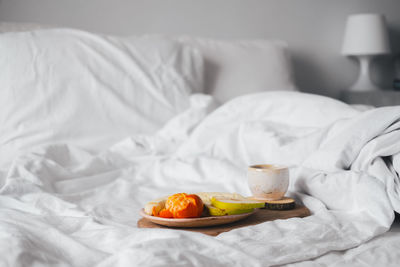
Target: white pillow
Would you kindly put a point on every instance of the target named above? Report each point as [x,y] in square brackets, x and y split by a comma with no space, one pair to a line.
[70,86]
[234,68]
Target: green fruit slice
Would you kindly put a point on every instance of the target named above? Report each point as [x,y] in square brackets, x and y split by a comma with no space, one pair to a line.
[214,211]
[236,204]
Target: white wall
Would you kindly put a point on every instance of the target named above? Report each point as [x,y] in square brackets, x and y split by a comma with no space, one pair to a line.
[313,28]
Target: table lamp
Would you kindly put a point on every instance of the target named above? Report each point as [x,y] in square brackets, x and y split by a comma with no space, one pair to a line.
[365,37]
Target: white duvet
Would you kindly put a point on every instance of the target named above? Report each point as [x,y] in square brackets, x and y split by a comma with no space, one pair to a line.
[61,206]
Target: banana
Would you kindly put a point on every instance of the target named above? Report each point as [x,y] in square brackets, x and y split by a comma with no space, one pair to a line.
[153,207]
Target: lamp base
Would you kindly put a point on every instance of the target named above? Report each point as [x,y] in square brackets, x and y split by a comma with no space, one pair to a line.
[364,82]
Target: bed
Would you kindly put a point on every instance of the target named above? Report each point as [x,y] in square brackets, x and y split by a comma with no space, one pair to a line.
[94,126]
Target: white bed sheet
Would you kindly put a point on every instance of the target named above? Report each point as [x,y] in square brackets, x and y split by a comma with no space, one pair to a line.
[61,206]
[383,250]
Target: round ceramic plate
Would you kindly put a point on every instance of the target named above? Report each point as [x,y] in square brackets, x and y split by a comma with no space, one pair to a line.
[196,222]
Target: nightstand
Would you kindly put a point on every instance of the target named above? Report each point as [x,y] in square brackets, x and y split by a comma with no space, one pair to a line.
[373,98]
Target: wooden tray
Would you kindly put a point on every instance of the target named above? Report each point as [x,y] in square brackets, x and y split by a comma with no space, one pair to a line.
[262,215]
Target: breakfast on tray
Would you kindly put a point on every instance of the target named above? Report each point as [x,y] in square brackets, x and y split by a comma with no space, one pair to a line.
[268,183]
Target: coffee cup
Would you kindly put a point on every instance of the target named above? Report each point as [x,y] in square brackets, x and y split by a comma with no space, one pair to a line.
[268,181]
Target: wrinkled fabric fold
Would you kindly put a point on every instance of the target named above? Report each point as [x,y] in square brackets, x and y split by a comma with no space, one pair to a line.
[63,206]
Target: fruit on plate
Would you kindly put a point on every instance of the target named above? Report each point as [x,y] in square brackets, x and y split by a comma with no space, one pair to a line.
[214,211]
[182,205]
[158,207]
[230,204]
[155,206]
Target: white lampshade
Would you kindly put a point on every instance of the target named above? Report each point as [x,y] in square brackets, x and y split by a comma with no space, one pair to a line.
[366,34]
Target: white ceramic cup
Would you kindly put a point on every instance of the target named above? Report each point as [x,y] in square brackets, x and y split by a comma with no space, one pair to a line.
[268,181]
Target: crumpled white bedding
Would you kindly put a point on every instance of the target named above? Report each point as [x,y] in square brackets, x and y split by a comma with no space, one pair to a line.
[61,206]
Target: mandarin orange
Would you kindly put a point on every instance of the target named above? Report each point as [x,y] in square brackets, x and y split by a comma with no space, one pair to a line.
[183,205]
[165,214]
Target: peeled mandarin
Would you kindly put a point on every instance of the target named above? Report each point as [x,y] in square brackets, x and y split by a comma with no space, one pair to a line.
[182,205]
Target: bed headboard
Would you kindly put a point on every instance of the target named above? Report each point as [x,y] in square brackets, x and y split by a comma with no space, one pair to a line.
[312,28]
